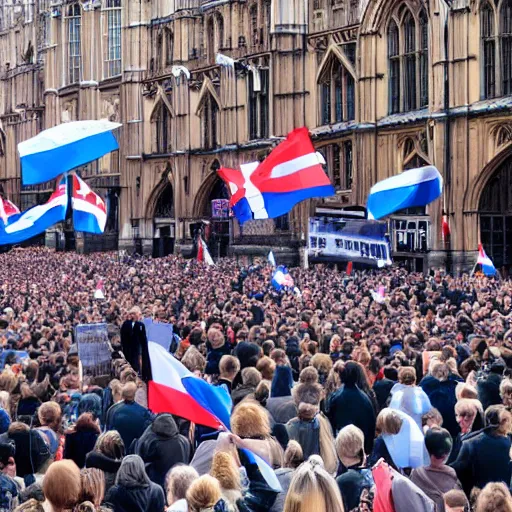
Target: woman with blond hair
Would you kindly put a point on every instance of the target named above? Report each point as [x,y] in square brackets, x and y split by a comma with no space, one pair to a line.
[494,497]
[313,489]
[293,458]
[485,456]
[92,486]
[178,481]
[470,417]
[204,494]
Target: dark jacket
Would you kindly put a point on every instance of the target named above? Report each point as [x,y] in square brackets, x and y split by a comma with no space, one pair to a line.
[135,343]
[79,444]
[307,434]
[213,357]
[282,382]
[130,419]
[380,451]
[350,406]
[136,499]
[483,458]
[282,409]
[238,394]
[352,483]
[161,447]
[442,397]
[31,451]
[109,466]
[382,389]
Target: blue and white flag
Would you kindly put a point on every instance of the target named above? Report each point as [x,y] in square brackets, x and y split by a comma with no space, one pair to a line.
[64,147]
[36,220]
[282,279]
[417,187]
[271,259]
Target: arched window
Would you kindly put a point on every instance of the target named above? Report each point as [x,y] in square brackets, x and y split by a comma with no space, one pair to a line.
[506,47]
[220,31]
[74,46]
[337,94]
[255,36]
[210,38]
[407,60]
[169,43]
[162,129]
[210,114]
[488,35]
[112,31]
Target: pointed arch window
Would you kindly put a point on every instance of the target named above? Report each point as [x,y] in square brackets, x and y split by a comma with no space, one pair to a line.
[220,31]
[162,129]
[408,38]
[210,121]
[169,50]
[337,94]
[74,46]
[255,31]
[488,37]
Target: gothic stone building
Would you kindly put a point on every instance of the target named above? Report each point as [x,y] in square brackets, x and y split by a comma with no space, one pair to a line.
[383,85]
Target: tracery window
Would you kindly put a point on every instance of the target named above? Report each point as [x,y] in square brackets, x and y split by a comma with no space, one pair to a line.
[74,26]
[112,30]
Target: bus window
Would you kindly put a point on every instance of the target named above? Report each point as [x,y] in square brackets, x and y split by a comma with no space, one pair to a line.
[339,243]
[322,242]
[348,245]
[313,242]
[373,250]
[379,252]
[356,246]
[384,252]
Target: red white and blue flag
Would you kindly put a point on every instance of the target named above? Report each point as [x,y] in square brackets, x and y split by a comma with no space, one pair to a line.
[488,267]
[89,210]
[34,221]
[7,210]
[291,173]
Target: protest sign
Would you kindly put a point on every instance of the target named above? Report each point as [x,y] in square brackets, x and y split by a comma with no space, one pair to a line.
[93,349]
[159,332]
[15,356]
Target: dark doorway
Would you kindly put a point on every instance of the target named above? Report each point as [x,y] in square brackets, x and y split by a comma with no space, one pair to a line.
[163,242]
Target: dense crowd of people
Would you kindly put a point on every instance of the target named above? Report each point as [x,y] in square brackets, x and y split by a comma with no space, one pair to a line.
[358,402]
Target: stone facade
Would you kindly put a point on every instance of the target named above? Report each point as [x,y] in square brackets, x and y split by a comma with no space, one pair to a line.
[383,85]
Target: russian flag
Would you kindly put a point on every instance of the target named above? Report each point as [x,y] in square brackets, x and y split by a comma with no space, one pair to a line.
[417,187]
[7,210]
[487,265]
[282,278]
[36,220]
[293,172]
[89,210]
[167,393]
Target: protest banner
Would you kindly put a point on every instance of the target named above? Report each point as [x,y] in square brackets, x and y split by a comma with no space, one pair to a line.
[93,349]
[15,357]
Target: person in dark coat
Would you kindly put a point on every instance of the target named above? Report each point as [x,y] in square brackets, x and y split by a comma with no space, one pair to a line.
[162,447]
[107,455]
[135,344]
[440,389]
[133,490]
[216,347]
[128,417]
[485,455]
[351,406]
[382,388]
[82,439]
[282,382]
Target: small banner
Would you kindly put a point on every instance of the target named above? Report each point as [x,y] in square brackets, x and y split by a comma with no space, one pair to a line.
[93,349]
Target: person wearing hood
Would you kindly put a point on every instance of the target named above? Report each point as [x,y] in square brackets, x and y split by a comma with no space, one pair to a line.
[133,490]
[282,382]
[409,398]
[293,353]
[161,447]
[437,479]
[107,455]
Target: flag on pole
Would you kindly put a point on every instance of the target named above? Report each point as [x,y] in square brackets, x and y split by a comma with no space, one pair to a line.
[271,259]
[417,187]
[349,268]
[293,172]
[282,279]
[207,256]
[98,293]
[445,228]
[487,265]
[89,209]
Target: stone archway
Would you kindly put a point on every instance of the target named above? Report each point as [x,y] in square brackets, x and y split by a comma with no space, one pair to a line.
[161,211]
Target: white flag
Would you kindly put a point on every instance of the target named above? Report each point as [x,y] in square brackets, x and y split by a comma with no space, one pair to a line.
[271,259]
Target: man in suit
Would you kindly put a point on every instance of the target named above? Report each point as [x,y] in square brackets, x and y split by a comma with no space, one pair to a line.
[135,344]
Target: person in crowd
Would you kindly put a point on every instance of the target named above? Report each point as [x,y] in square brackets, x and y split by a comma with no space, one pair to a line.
[128,417]
[357,477]
[437,479]
[205,494]
[313,488]
[50,418]
[494,497]
[250,380]
[382,387]
[351,406]
[485,455]
[92,486]
[133,490]
[229,366]
[455,501]
[409,398]
[293,458]
[107,456]
[61,486]
[469,415]
[135,343]
[178,481]
[216,347]
[161,447]
[81,439]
